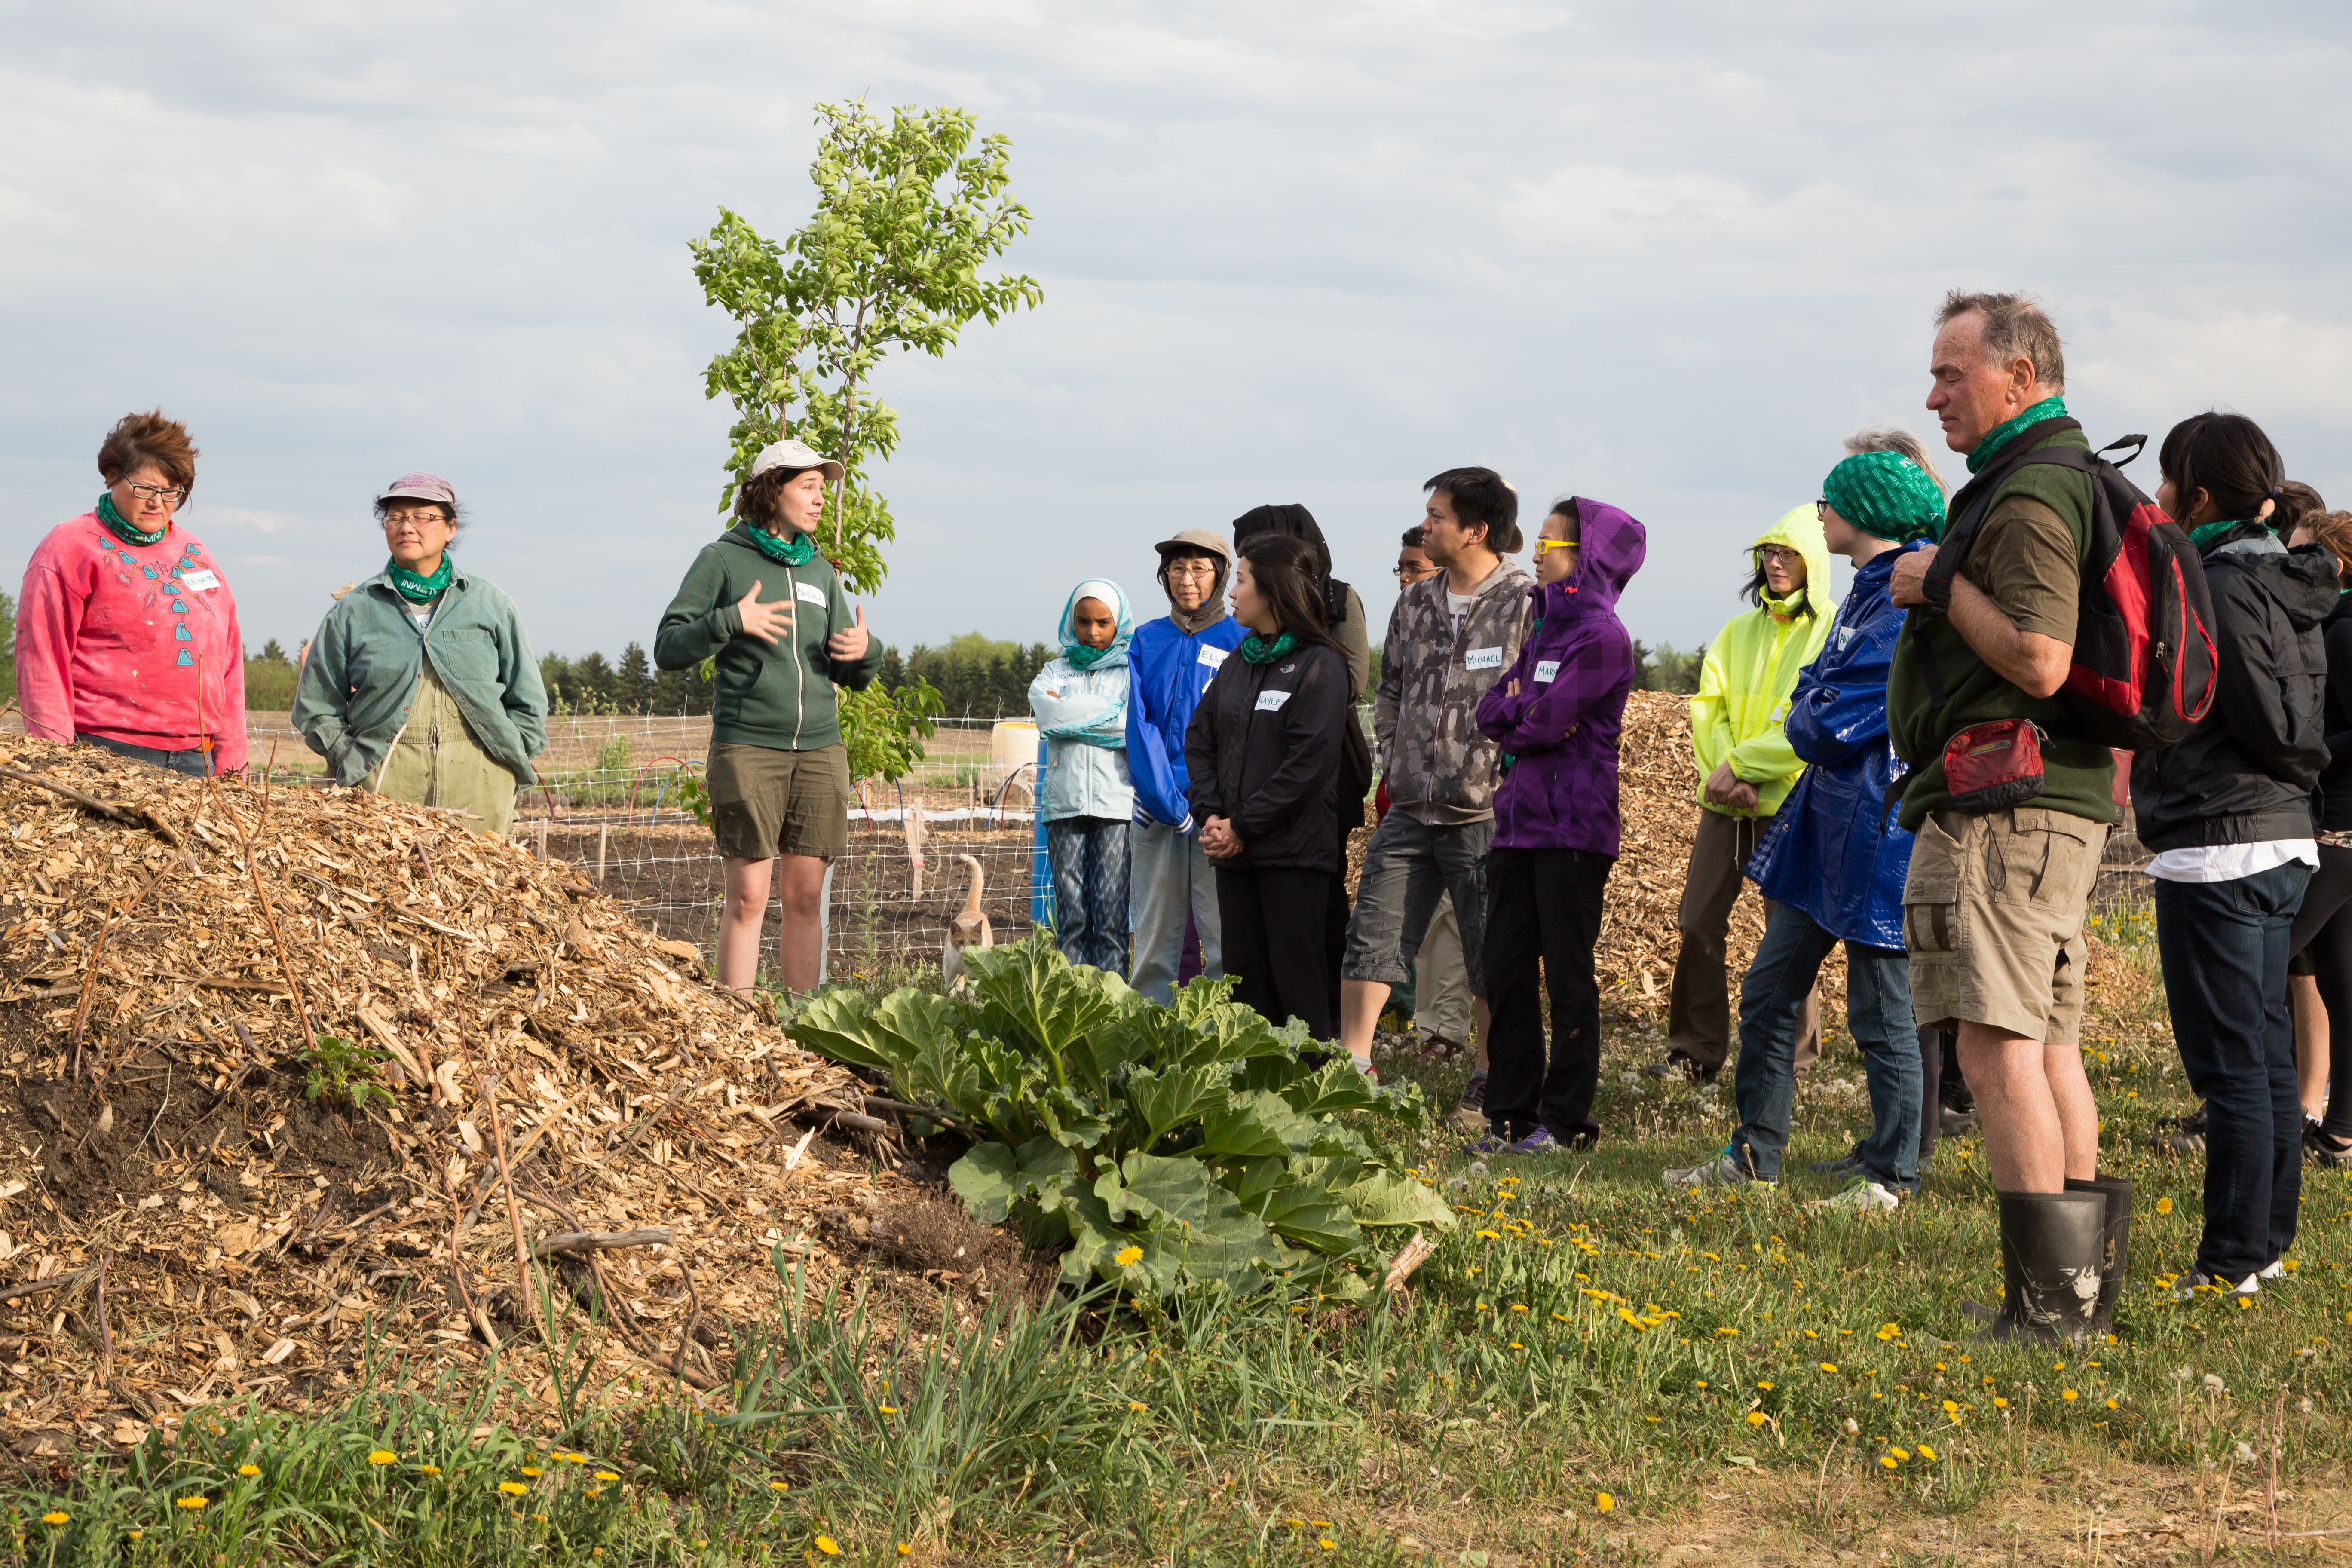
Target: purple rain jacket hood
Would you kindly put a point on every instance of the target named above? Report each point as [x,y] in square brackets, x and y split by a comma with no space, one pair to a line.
[1561,728]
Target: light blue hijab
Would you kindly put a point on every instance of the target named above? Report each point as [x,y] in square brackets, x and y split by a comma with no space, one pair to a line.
[1094,716]
[1082,656]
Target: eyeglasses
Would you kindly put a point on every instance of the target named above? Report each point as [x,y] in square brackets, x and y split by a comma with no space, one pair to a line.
[1191,566]
[1779,554]
[1410,575]
[431,514]
[1544,545]
[170,498]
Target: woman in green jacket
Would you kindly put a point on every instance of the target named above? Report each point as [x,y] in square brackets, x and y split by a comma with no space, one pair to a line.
[420,683]
[770,610]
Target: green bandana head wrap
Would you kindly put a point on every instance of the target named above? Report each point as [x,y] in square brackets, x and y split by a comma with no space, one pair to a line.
[1258,650]
[120,525]
[797,551]
[2000,436]
[1887,496]
[2205,535]
[419,590]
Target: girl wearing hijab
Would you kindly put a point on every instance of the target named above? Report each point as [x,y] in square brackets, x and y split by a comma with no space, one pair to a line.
[1264,756]
[1080,701]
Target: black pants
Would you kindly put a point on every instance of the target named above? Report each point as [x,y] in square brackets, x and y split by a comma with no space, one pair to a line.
[1275,943]
[2323,930]
[1931,1091]
[1335,939]
[1543,906]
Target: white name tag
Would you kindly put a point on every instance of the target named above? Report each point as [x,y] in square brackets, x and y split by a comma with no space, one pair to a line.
[1546,668]
[1272,702]
[1482,659]
[200,582]
[809,594]
[1215,657]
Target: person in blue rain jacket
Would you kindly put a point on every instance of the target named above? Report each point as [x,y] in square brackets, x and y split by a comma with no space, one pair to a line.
[1834,860]
[1172,662]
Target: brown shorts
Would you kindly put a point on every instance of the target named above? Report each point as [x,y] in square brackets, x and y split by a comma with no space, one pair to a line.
[1992,915]
[765,803]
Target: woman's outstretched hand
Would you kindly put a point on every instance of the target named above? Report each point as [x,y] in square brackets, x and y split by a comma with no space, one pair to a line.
[767,622]
[849,646]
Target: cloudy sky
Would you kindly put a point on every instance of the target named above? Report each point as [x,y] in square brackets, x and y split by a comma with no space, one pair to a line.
[1664,254]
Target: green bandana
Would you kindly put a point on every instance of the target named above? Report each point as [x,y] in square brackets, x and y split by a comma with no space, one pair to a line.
[1989,448]
[419,590]
[1887,496]
[797,551]
[1081,657]
[2204,536]
[120,525]
[1258,650]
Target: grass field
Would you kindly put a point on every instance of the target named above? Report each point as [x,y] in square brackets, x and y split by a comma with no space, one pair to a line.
[1591,1368]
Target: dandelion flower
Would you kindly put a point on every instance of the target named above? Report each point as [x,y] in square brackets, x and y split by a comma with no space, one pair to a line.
[54,1519]
[1829,1366]
[428,1470]
[606,1476]
[195,1504]
[1757,1418]
[1926,1452]
[1488,1234]
[1999,1403]
[1126,1258]
[248,1471]
[1517,1346]
[1602,1503]
[778,1486]
[828,1545]
[1765,1386]
[1887,1460]
[887,1409]
[513,1488]
[2068,1393]
[1952,1407]
[1326,1543]
[1904,1454]
[1519,1306]
[905,1550]
[1135,1407]
[2163,1206]
[2111,1405]
[383,1457]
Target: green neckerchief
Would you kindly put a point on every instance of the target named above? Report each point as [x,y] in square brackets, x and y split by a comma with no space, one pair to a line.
[2205,535]
[797,551]
[120,525]
[419,590]
[1081,657]
[1258,650]
[2000,435]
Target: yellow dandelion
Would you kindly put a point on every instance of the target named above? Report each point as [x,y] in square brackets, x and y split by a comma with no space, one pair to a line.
[1126,1258]
[2067,1394]
[195,1504]
[428,1470]
[1757,1418]
[383,1457]
[533,1471]
[1326,1543]
[2163,1206]
[542,1519]
[1952,1407]
[595,1491]
[1829,1366]
[1135,1407]
[2111,1405]
[1887,1460]
[828,1545]
[887,1409]
[248,1471]
[778,1486]
[1903,1454]
[1926,1452]
[1519,1306]
[1602,1503]
[54,1519]
[1999,1403]
[513,1488]
[905,1550]
[1765,1386]
[1488,1234]
[606,1476]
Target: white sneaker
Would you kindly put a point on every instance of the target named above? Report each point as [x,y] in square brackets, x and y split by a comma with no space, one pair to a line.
[1860,1196]
[2278,1270]
[1723,1170]
[2186,1286]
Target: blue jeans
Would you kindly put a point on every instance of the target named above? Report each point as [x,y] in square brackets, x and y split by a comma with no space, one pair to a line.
[1877,1013]
[2224,949]
[1090,890]
[192,763]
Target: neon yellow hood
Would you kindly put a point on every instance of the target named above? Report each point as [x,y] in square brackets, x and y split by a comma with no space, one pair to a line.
[1752,667]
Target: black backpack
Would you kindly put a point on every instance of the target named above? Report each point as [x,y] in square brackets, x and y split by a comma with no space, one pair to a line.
[2143,671]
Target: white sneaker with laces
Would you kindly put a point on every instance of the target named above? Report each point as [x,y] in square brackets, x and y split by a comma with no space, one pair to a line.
[1723,1170]
[1860,1196]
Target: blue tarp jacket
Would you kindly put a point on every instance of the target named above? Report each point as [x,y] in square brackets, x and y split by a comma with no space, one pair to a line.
[1834,850]
[1168,669]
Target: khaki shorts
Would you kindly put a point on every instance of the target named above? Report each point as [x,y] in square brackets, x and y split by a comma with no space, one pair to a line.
[765,803]
[1992,915]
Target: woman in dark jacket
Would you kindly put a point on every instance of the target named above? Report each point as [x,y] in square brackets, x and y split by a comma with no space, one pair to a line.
[1264,752]
[2322,927]
[2227,810]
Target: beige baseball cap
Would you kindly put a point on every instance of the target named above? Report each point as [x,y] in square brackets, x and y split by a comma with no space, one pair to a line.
[795,455]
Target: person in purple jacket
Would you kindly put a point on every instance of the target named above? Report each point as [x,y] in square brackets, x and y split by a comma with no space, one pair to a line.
[1556,716]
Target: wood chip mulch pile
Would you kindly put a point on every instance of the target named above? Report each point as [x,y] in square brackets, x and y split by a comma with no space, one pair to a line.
[180,1222]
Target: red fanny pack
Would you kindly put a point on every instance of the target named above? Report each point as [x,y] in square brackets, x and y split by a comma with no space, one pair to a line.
[1990,767]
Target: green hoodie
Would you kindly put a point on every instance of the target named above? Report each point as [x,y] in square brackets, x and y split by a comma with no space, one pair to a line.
[778,695]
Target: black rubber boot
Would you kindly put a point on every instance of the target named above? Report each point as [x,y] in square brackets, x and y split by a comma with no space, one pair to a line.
[2050,1248]
[2114,1249]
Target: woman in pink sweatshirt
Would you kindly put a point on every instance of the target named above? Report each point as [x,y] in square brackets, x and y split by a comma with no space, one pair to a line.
[126,633]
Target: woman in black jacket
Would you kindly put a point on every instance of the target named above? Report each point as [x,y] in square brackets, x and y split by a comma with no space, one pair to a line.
[1264,752]
[2227,810]
[2322,927]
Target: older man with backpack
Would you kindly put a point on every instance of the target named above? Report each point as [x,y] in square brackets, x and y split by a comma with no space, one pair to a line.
[2004,699]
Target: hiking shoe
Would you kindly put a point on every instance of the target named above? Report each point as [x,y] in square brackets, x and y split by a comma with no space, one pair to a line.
[2319,1149]
[1541,1141]
[1840,1166]
[1470,1110]
[2185,1287]
[1674,1063]
[1860,1196]
[1493,1143]
[1726,1170]
[1952,1123]
[2180,1134]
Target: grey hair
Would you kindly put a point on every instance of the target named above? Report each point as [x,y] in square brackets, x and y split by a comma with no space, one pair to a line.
[2015,327]
[1894,438]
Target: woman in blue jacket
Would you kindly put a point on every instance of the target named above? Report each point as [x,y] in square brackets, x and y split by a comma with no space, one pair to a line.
[1171,662]
[1833,861]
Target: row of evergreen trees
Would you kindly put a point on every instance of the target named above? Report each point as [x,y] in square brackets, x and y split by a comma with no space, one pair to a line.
[979,678]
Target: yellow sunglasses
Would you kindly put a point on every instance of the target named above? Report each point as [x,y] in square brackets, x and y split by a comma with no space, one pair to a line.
[1544,545]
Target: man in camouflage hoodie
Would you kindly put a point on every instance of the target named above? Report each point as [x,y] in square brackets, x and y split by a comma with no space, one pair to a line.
[1449,638]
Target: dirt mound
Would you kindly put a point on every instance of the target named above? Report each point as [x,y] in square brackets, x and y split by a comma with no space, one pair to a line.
[182,1219]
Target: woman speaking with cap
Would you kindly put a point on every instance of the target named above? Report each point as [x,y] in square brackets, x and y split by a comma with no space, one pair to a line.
[420,683]
[771,611]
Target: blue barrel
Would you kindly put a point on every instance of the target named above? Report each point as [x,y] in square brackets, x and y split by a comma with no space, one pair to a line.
[1041,865]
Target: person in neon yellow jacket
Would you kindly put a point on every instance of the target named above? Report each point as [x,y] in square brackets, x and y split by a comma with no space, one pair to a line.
[1746,771]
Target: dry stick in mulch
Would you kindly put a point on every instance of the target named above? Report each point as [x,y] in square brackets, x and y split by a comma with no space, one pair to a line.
[253,870]
[98,951]
[125,815]
[505,1175]
[617,1309]
[105,1330]
[40,1286]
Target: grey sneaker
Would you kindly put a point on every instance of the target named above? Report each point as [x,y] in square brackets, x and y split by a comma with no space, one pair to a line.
[1470,1110]
[2185,1287]
[2181,1135]
[1860,1196]
[1726,1170]
[1840,1166]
